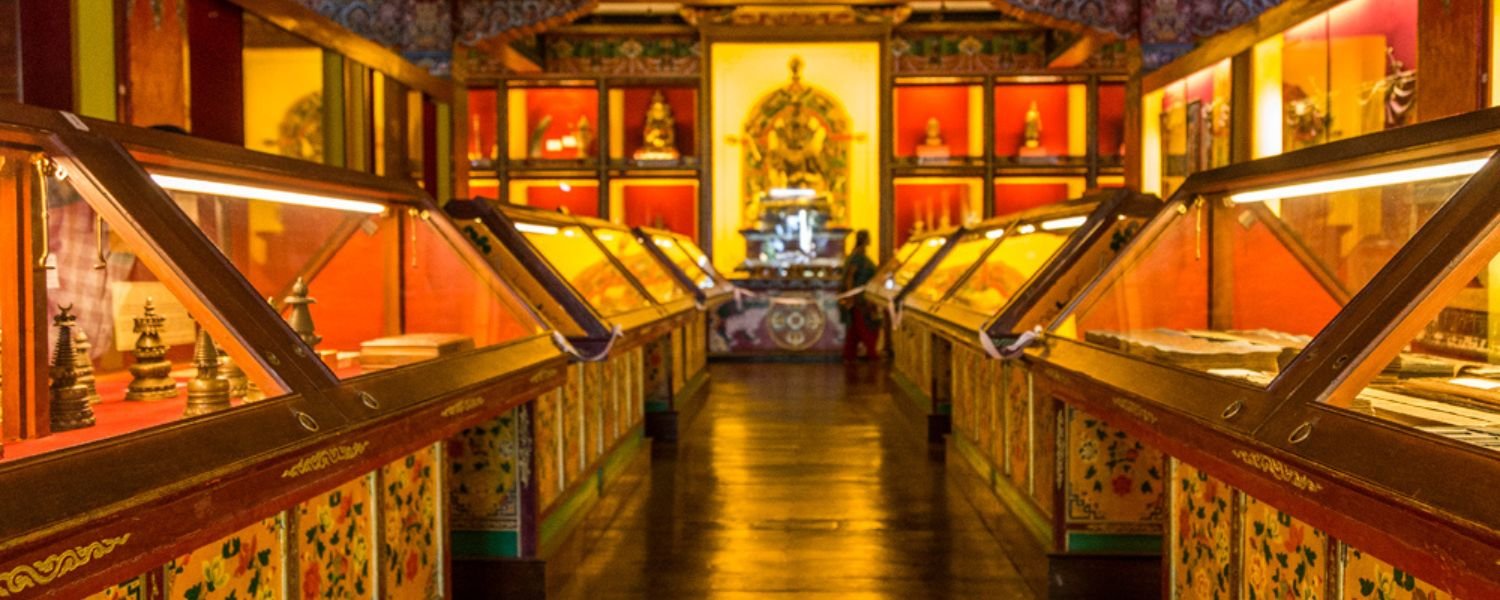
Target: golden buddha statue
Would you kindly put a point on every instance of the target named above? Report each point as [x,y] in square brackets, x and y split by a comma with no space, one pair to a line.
[934,133]
[794,152]
[1033,135]
[660,134]
[932,150]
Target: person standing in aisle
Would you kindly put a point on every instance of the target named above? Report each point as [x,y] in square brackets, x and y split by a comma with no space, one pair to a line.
[861,319]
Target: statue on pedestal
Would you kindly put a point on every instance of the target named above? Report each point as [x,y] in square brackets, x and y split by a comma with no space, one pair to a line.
[659,139]
[151,375]
[69,398]
[1033,136]
[207,393]
[933,150]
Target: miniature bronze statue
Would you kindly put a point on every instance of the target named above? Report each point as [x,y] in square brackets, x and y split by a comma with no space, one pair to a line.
[151,375]
[207,392]
[301,316]
[69,398]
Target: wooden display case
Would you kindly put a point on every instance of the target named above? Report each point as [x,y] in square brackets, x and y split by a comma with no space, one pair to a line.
[200,225]
[1325,333]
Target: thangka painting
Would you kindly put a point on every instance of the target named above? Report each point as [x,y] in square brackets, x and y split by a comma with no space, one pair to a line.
[796,137]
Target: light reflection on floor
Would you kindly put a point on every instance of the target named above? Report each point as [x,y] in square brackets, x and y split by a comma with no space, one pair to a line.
[797,480]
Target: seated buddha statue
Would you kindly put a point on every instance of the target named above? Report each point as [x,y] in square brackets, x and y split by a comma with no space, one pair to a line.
[660,132]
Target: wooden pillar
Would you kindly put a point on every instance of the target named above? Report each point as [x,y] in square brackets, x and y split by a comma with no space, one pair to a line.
[154,63]
[23,302]
[216,72]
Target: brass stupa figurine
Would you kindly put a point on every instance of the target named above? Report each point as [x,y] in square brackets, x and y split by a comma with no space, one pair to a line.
[231,373]
[151,375]
[207,392]
[659,140]
[301,316]
[85,362]
[1033,135]
[68,397]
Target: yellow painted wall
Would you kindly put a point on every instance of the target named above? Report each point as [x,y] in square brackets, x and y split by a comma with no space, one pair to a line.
[743,73]
[275,79]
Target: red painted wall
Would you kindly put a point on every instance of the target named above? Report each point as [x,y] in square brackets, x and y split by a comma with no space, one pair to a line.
[1111,120]
[1015,197]
[915,104]
[670,207]
[482,128]
[580,199]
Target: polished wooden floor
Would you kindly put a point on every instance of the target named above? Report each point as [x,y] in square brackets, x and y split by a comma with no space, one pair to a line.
[799,481]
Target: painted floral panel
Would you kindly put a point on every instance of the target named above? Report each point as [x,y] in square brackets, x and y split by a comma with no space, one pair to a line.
[1285,559]
[332,533]
[1018,428]
[243,566]
[485,470]
[1112,477]
[595,387]
[570,425]
[547,460]
[144,587]
[1201,535]
[1368,577]
[610,401]
[409,504]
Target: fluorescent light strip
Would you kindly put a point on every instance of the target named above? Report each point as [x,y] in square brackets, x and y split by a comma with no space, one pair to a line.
[1064,223]
[1025,229]
[665,243]
[534,228]
[936,242]
[994,233]
[1357,182]
[218,188]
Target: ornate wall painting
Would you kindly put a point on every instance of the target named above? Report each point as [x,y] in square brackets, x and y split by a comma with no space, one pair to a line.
[797,136]
[1282,557]
[977,52]
[799,322]
[412,549]
[246,565]
[547,459]
[488,465]
[1202,532]
[1112,477]
[1367,577]
[331,533]
[677,55]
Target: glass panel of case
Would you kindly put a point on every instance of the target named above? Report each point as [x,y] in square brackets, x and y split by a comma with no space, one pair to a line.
[124,348]
[684,262]
[381,290]
[639,263]
[1253,275]
[954,264]
[918,259]
[585,265]
[1006,269]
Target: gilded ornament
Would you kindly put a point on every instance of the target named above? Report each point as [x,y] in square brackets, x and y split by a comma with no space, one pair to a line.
[462,406]
[659,140]
[39,573]
[325,458]
[1278,470]
[1134,410]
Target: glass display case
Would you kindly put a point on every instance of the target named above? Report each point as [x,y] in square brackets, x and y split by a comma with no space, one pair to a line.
[1329,306]
[688,264]
[911,265]
[197,331]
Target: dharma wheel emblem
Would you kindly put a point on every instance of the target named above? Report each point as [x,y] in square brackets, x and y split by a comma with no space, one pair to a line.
[795,325]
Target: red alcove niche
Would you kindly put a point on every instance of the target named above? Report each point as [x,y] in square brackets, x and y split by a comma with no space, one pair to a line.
[1015,194]
[483,147]
[567,106]
[662,204]
[950,104]
[1052,101]
[930,200]
[580,197]
[1111,123]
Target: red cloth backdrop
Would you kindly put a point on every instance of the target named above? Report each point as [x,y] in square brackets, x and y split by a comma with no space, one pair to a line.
[916,104]
[580,199]
[1011,102]
[1017,196]
[670,207]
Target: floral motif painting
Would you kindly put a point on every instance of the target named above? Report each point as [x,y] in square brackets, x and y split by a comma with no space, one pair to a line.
[332,537]
[247,565]
[144,587]
[1201,536]
[1112,477]
[486,468]
[1368,577]
[545,438]
[1285,559]
[409,510]
[1044,468]
[590,405]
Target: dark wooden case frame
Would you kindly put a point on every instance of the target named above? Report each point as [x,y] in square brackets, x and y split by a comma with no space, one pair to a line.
[168,489]
[708,299]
